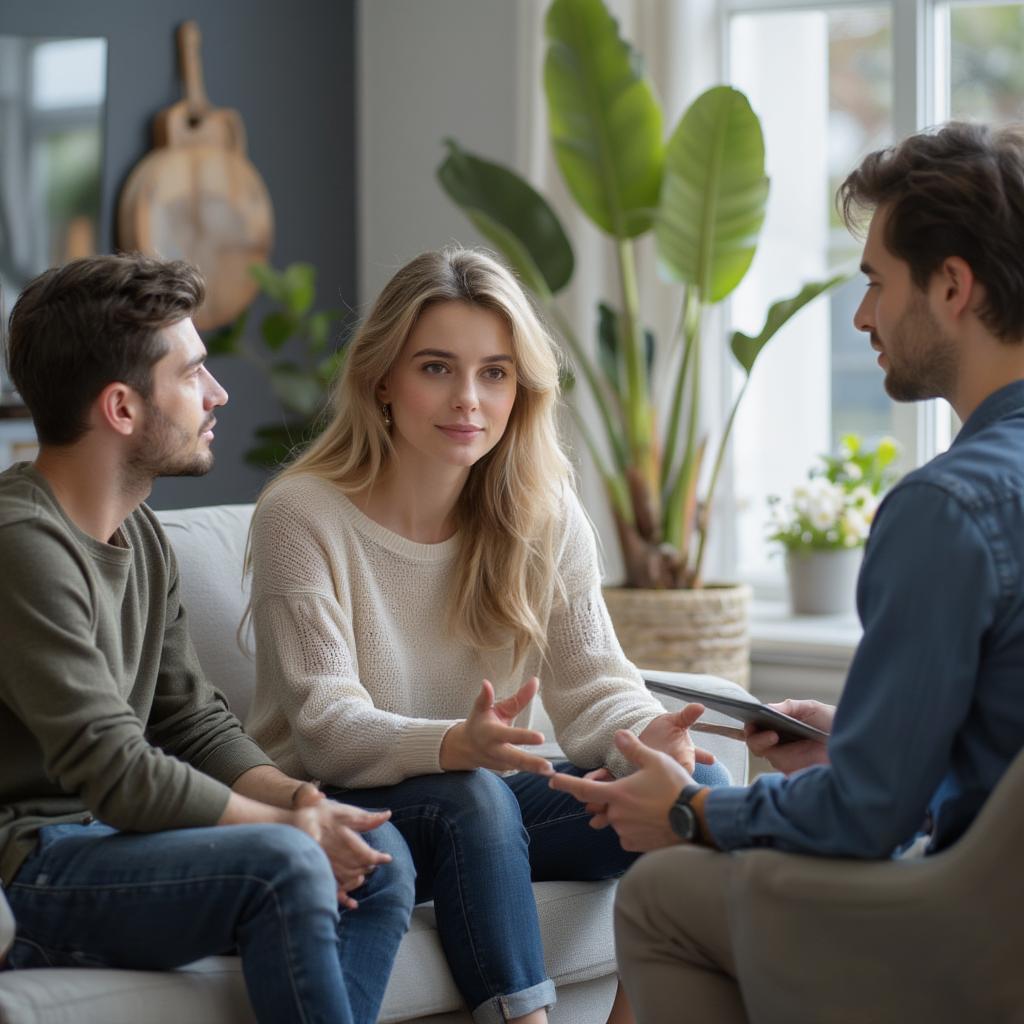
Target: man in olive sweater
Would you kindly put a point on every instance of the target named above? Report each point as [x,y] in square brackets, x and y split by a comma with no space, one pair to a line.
[139,825]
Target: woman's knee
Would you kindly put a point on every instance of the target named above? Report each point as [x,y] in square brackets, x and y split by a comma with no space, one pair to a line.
[479,798]
[714,774]
[396,880]
[476,811]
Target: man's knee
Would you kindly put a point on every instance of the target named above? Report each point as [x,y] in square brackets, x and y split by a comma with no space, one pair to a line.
[286,857]
[677,899]
[643,887]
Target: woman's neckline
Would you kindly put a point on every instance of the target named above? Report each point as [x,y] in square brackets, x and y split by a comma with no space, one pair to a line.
[396,542]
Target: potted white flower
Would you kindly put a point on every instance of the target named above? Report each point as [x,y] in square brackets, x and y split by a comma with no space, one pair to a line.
[825,523]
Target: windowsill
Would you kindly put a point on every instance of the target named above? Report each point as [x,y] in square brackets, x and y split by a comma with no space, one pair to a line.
[777,636]
[800,656]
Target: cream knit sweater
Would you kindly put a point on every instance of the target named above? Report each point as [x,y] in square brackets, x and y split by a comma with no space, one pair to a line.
[356,683]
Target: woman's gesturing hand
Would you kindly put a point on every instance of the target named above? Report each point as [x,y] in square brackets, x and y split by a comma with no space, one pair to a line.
[670,733]
[488,739]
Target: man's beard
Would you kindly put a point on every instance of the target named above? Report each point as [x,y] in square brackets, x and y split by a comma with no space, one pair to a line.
[923,361]
[166,449]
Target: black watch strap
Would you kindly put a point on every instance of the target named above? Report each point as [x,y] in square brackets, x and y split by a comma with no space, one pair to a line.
[682,818]
[687,793]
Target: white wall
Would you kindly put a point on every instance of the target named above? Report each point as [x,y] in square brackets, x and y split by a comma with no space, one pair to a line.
[785,419]
[428,69]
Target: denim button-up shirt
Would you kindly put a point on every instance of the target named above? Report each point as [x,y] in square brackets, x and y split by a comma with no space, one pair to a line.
[932,712]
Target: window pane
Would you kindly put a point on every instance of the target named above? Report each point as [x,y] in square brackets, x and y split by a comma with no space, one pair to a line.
[985,65]
[69,73]
[821,82]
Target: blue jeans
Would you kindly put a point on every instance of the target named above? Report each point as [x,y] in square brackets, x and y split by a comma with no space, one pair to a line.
[92,896]
[477,841]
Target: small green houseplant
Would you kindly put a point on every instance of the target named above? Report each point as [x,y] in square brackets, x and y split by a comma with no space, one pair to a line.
[299,348]
[702,192]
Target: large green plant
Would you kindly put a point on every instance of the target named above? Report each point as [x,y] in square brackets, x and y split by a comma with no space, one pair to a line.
[703,194]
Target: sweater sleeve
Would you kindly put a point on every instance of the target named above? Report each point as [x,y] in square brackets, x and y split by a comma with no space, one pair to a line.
[591,689]
[307,661]
[58,683]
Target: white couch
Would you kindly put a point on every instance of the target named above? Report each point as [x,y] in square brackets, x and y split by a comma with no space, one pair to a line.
[575,917]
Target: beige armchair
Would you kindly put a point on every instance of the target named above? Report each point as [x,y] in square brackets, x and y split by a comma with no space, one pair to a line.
[936,940]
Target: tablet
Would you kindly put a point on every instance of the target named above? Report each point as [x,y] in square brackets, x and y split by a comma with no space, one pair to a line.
[743,709]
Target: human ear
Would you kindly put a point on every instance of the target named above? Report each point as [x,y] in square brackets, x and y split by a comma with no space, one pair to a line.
[959,287]
[383,390]
[119,407]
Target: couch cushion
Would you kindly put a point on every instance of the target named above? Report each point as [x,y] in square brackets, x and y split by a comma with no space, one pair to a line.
[576,927]
[209,544]
[211,991]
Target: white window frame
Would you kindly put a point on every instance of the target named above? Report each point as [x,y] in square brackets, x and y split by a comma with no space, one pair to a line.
[920,99]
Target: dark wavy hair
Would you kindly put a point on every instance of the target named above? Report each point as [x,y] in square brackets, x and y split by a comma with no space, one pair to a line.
[77,328]
[955,191]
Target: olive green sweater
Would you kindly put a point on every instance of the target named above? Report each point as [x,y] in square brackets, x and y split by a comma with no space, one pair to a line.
[104,708]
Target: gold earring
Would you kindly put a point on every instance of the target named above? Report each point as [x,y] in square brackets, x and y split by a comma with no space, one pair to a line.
[385,411]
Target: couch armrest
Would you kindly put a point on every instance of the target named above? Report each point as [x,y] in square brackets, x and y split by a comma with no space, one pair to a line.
[730,752]
[6,926]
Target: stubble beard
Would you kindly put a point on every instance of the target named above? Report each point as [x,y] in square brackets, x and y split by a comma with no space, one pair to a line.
[923,361]
[164,450]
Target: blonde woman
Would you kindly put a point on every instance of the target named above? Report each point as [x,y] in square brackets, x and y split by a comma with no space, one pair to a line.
[423,557]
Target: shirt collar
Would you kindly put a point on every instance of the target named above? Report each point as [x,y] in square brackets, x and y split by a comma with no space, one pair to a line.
[1000,404]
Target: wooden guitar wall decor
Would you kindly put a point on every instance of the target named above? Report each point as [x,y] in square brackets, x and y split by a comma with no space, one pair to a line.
[196,196]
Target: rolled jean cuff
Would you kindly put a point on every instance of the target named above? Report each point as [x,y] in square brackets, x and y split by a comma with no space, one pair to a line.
[518,1004]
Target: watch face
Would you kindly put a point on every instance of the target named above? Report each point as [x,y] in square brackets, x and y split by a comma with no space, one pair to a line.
[683,820]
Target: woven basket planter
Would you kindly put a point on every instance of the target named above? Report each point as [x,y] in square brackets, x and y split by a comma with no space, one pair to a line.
[701,631]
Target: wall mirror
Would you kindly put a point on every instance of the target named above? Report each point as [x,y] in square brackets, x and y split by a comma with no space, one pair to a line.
[52,97]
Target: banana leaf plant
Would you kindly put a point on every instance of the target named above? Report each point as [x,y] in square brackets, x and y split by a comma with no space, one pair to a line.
[703,193]
[299,351]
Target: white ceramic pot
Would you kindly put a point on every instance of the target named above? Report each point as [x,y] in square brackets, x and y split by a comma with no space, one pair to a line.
[823,582]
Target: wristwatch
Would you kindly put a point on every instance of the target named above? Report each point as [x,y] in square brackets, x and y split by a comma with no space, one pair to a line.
[682,818]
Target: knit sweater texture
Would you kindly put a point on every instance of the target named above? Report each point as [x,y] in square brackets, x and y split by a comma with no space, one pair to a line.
[357,681]
[104,708]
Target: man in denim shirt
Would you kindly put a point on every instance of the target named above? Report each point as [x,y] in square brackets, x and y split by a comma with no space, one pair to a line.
[932,712]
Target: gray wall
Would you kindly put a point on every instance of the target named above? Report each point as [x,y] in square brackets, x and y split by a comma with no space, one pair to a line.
[290,71]
[429,69]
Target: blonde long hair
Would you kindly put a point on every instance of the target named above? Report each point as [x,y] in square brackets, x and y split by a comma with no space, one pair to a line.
[507,513]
